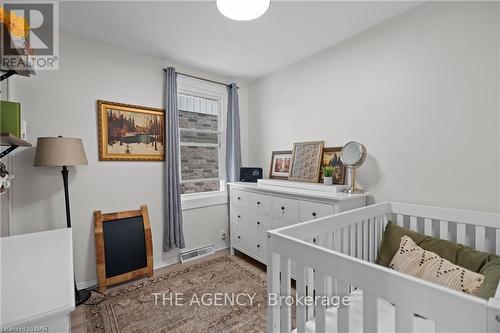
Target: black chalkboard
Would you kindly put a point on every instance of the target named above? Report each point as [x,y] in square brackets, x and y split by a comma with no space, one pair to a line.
[124,245]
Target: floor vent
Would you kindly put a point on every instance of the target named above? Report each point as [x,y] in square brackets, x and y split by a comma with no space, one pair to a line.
[197,253]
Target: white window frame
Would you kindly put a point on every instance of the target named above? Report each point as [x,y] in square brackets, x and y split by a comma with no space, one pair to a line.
[203,89]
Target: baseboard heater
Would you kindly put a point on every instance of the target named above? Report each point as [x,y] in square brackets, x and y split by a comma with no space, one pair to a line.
[197,253]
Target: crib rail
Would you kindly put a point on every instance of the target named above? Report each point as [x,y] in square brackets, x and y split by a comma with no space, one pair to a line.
[335,255]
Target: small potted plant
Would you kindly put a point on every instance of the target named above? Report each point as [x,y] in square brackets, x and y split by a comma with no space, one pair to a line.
[328,174]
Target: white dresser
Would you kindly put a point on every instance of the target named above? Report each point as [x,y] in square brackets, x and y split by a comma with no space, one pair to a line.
[36,279]
[256,208]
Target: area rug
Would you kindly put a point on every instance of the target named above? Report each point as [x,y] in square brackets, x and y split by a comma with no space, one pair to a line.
[218,295]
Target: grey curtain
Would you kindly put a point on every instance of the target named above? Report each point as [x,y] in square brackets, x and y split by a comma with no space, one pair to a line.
[173,235]
[233,146]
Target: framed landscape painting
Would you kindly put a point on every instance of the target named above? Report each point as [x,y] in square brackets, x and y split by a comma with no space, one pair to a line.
[130,132]
[331,157]
[280,164]
[306,161]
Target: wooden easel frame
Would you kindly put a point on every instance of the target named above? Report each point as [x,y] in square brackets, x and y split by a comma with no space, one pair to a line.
[99,219]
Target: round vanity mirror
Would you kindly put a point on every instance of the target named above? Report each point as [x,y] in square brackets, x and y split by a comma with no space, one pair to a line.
[353,155]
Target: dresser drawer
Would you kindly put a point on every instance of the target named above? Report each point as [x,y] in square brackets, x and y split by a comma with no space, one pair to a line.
[249,241]
[237,235]
[260,222]
[260,202]
[280,223]
[241,216]
[314,210]
[250,219]
[257,245]
[285,208]
[240,198]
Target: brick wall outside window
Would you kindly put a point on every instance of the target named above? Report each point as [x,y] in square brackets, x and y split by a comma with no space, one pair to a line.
[200,151]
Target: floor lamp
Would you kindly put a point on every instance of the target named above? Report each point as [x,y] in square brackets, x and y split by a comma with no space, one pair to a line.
[63,152]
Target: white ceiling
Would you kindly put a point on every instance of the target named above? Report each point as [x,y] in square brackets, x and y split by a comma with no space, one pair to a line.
[195,34]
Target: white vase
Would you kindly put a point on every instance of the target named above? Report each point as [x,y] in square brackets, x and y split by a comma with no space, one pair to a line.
[328,180]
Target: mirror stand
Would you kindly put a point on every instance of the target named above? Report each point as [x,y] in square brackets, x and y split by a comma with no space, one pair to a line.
[353,189]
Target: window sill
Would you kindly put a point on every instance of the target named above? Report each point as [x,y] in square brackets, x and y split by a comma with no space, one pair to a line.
[200,200]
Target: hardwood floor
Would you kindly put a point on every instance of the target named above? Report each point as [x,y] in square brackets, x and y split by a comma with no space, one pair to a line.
[78,316]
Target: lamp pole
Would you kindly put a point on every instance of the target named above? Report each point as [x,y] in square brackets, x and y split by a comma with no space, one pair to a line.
[80,295]
[65,173]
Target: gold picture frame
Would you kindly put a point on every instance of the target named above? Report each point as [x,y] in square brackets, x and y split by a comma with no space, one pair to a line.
[130,132]
[306,161]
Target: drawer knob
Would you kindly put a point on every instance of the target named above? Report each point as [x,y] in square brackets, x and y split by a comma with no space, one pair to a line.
[239,216]
[282,208]
[258,245]
[239,198]
[239,237]
[314,240]
[314,214]
[258,222]
[258,202]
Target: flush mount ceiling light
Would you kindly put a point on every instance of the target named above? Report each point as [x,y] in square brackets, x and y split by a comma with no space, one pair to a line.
[243,10]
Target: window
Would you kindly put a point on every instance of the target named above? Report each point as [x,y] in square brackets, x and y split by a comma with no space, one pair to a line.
[201,140]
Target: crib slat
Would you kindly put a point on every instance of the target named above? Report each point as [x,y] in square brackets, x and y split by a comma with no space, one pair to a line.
[300,283]
[428,227]
[273,287]
[399,220]
[480,238]
[365,240]
[370,313]
[413,223]
[443,230]
[285,310]
[345,240]
[404,320]
[352,234]
[310,292]
[343,311]
[376,236]
[372,241]
[320,283]
[461,230]
[359,239]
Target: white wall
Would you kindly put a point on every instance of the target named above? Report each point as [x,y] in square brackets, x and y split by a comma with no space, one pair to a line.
[420,91]
[64,103]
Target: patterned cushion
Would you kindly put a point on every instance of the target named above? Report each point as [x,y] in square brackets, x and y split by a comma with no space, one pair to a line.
[413,260]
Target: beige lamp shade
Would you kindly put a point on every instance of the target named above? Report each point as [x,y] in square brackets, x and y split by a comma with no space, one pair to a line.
[59,151]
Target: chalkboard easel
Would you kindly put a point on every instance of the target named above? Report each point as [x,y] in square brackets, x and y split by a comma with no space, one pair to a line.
[123,246]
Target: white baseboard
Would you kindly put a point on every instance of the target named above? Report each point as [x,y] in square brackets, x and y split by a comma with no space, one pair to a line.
[158,265]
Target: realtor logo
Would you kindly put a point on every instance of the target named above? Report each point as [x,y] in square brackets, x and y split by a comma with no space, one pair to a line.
[29,36]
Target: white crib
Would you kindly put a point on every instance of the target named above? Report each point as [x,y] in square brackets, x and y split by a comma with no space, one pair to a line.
[335,256]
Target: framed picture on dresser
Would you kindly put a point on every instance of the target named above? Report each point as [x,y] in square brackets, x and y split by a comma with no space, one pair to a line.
[280,164]
[331,157]
[306,161]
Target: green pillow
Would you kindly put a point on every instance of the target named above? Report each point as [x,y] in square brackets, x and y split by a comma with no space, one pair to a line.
[476,261]
[491,272]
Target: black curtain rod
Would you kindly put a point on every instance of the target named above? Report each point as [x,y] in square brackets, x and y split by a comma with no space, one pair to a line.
[203,79]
